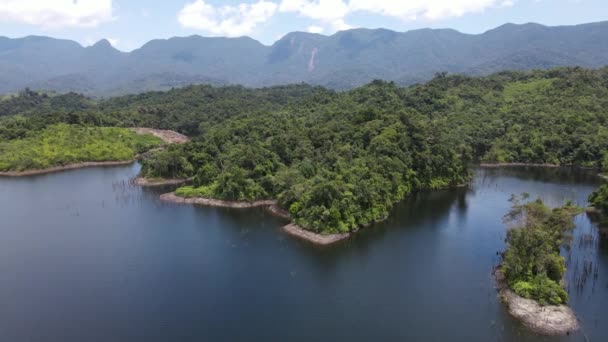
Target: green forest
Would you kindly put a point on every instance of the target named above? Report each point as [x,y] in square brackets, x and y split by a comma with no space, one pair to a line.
[63,144]
[339,160]
[599,199]
[532,263]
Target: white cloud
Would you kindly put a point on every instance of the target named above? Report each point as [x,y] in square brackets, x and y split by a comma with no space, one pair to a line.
[331,14]
[340,25]
[428,9]
[230,21]
[114,41]
[315,29]
[56,13]
[325,10]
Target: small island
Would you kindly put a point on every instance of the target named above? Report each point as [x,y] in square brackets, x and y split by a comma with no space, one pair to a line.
[530,277]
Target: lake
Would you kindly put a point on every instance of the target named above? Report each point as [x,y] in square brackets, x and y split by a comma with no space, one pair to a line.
[84,256]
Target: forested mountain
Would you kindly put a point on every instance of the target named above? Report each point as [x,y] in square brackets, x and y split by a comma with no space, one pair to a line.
[344,60]
[338,160]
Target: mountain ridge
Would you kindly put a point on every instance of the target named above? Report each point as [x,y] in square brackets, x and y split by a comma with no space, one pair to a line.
[342,60]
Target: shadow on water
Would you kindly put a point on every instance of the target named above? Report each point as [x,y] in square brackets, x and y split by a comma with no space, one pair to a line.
[429,207]
[554,175]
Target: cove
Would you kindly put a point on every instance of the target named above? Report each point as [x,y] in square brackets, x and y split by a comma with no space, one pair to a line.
[85,256]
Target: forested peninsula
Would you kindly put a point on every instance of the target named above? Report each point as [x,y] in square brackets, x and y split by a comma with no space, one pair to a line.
[61,146]
[339,160]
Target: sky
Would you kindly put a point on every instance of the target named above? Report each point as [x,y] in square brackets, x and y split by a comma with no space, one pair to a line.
[128,24]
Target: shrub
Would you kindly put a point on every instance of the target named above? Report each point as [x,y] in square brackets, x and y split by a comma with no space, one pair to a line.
[599,198]
[203,191]
[524,289]
[547,291]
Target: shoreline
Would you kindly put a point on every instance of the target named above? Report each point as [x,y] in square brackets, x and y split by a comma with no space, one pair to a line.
[270,205]
[549,320]
[169,137]
[65,168]
[318,239]
[278,211]
[593,210]
[496,165]
[597,215]
[171,197]
[145,182]
[547,165]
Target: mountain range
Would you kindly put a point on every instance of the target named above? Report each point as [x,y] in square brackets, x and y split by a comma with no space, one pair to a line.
[343,60]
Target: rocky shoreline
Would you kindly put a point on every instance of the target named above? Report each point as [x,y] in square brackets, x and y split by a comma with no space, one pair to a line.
[271,205]
[141,181]
[170,137]
[496,165]
[549,165]
[319,239]
[551,320]
[64,168]
[173,198]
[278,211]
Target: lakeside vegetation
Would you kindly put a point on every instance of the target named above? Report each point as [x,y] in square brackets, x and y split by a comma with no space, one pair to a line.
[599,199]
[532,263]
[63,144]
[338,160]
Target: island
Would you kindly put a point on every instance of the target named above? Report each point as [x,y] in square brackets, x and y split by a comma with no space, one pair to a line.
[530,276]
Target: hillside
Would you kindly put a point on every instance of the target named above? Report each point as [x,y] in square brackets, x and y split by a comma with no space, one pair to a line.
[344,60]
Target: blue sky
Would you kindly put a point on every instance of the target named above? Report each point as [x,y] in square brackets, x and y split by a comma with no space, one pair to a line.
[129,24]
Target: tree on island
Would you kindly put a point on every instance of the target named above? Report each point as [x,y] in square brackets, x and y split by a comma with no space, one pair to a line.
[532,264]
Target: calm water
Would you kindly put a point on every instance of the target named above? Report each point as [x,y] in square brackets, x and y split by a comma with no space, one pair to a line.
[85,257]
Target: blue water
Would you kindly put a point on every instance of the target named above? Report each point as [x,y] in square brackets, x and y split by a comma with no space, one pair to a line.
[84,256]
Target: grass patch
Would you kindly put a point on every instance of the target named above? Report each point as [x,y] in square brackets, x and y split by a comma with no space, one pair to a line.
[63,144]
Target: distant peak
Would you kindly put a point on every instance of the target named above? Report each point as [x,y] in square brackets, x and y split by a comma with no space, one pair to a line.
[512,26]
[37,38]
[301,34]
[104,43]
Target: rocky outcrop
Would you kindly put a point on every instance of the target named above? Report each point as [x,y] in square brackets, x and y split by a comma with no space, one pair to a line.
[169,137]
[318,239]
[159,182]
[278,211]
[546,320]
[543,319]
